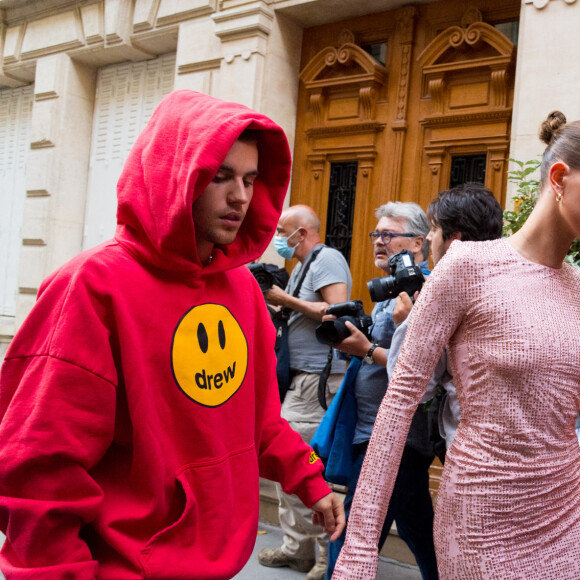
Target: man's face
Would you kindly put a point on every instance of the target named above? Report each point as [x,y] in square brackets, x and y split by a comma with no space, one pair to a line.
[219,211]
[383,251]
[287,227]
[438,245]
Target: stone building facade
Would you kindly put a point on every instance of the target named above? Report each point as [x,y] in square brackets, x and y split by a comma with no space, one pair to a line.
[395,93]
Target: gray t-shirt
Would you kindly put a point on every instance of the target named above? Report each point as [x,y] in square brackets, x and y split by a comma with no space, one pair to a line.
[306,353]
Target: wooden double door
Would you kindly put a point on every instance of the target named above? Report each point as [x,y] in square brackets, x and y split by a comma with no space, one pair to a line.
[399,106]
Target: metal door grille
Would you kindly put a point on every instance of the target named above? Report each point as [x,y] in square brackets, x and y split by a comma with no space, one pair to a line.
[340,215]
[465,168]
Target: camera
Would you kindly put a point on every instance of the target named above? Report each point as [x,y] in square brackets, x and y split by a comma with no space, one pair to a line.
[269,274]
[405,276]
[333,332]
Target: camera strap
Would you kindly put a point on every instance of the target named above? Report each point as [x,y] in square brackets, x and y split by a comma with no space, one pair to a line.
[326,371]
[286,312]
[324,379]
[303,273]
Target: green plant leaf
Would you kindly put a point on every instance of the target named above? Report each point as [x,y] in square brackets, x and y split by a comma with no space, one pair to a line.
[527,195]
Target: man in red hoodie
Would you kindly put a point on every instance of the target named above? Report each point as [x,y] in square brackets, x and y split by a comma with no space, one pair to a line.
[138,401]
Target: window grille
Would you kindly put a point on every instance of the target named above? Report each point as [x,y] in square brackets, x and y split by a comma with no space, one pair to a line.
[339,218]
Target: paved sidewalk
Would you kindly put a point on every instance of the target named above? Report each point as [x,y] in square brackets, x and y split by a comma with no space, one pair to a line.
[272,538]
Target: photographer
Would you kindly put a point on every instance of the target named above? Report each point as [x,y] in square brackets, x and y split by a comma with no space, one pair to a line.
[321,278]
[401,226]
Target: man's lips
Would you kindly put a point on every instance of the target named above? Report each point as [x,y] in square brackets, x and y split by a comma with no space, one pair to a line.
[232,219]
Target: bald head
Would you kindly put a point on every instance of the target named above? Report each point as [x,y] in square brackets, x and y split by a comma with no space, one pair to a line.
[301,225]
[302,216]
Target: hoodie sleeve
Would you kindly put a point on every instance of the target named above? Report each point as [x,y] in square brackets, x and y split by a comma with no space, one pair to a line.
[56,427]
[283,456]
[56,422]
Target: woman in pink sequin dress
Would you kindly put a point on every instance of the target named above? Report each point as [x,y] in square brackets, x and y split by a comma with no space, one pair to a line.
[509,310]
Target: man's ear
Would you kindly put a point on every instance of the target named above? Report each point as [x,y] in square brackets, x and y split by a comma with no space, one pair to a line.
[455,236]
[302,232]
[557,175]
[419,241]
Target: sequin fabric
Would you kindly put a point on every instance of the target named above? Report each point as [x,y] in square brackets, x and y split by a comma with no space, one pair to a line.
[509,502]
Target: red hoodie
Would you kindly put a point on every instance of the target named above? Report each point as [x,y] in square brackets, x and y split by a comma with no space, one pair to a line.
[138,401]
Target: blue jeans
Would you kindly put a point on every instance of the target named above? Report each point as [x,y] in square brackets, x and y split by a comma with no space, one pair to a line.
[410,507]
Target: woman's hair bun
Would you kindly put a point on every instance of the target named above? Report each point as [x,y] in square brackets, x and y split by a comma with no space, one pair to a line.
[550,126]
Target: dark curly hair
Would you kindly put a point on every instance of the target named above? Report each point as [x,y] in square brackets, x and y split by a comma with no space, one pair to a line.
[470,209]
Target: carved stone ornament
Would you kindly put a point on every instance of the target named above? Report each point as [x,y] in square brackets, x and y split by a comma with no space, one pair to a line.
[539,4]
[347,67]
[471,15]
[455,37]
[346,37]
[406,21]
[438,65]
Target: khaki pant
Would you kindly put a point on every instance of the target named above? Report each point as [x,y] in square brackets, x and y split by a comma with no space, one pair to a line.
[303,412]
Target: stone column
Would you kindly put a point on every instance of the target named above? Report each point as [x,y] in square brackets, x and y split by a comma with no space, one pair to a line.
[57,171]
[547,73]
[199,57]
[260,64]
[260,61]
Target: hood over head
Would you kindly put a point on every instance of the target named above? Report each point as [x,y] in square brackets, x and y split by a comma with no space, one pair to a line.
[170,165]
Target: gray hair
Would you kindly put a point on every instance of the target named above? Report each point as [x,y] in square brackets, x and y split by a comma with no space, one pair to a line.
[412,218]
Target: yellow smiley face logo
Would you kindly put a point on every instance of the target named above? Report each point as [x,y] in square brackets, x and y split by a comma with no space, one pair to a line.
[209,354]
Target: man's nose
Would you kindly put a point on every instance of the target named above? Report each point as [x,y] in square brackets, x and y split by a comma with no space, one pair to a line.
[239,192]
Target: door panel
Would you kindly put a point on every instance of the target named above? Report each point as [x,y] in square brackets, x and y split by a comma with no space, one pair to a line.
[439,87]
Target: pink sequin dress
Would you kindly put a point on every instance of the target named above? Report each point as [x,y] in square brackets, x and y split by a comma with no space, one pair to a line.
[509,502]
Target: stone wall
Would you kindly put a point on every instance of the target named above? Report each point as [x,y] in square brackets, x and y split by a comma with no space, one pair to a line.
[247,51]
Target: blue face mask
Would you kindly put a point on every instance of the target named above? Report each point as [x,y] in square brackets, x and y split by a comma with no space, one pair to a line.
[281,246]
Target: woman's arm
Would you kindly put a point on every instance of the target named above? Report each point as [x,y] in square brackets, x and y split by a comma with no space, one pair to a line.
[435,317]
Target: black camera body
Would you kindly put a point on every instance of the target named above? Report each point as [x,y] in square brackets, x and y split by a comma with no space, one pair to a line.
[269,274]
[333,332]
[405,276]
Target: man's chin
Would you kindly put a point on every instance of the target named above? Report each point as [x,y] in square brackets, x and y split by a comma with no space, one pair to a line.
[225,238]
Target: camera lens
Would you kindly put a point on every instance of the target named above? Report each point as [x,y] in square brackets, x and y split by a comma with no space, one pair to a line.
[333,332]
[264,279]
[382,288]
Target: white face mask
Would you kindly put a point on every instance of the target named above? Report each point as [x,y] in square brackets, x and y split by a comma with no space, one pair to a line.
[281,246]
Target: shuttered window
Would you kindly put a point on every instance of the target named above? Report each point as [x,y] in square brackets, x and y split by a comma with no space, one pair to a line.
[15,115]
[126,97]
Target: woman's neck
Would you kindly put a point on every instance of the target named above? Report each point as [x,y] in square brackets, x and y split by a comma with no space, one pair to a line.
[543,238]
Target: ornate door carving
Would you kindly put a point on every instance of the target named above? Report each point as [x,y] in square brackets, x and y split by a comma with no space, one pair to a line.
[402,120]
[343,87]
[466,72]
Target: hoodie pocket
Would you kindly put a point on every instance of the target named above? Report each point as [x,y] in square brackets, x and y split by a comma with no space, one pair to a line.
[215,534]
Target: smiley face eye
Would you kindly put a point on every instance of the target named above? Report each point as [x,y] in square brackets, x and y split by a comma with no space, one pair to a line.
[222,334]
[202,337]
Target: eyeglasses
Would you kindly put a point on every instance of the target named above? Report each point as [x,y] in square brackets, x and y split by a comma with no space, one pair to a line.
[387,237]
